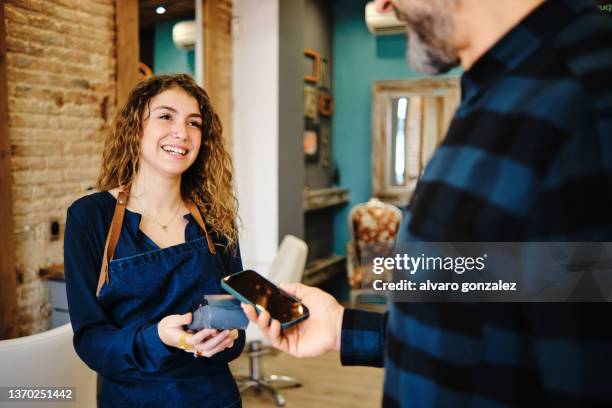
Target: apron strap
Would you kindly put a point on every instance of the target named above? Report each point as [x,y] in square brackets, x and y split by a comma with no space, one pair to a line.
[195,212]
[115,229]
[112,238]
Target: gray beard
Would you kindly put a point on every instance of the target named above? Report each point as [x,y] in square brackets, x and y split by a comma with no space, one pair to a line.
[427,60]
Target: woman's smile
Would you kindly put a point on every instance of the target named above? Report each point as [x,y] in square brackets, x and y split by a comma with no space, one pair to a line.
[175,151]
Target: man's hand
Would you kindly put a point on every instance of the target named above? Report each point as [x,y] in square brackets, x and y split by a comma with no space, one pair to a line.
[316,335]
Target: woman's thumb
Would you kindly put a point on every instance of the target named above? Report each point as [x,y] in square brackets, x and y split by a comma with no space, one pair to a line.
[187,318]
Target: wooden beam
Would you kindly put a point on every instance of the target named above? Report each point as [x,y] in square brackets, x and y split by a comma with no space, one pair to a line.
[209,49]
[218,60]
[216,36]
[127,48]
[8,284]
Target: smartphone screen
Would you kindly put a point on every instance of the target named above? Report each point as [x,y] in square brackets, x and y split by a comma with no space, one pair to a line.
[264,294]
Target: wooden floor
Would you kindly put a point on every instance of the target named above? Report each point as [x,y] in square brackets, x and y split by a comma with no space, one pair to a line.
[325,382]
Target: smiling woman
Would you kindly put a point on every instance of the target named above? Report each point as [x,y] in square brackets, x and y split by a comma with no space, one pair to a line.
[164,157]
[174,126]
[172,111]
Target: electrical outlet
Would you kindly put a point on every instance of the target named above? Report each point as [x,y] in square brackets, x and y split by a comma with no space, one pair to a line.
[55,230]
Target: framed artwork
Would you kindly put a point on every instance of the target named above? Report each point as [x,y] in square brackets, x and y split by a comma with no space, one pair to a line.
[326,105]
[311,142]
[314,66]
[325,138]
[325,81]
[144,72]
[310,102]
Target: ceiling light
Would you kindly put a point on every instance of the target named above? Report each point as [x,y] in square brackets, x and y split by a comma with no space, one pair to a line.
[160,10]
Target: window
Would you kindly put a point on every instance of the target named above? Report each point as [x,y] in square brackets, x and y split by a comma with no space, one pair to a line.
[409,119]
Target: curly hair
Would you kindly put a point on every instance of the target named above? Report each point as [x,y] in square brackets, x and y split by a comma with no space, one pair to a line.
[208,181]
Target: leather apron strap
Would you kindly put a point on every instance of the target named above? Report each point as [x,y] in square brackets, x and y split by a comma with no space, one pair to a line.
[115,229]
[112,238]
[195,212]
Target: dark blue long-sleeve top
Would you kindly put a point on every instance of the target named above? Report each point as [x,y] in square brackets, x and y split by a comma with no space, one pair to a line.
[130,351]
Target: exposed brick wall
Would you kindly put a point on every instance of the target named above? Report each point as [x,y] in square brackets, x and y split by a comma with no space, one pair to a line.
[61,100]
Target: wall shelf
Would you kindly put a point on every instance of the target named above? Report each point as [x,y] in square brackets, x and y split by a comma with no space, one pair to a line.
[320,270]
[324,198]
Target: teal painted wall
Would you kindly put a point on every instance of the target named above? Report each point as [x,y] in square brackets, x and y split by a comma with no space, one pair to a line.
[167,59]
[359,58]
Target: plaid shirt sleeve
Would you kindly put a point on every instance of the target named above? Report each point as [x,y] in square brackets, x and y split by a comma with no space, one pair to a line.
[363,338]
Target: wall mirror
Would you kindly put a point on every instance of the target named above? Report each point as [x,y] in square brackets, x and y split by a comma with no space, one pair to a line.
[409,119]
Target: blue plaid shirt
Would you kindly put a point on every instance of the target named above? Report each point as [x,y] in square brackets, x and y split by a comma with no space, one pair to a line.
[527,157]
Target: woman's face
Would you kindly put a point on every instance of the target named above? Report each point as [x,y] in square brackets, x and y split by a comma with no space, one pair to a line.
[171,133]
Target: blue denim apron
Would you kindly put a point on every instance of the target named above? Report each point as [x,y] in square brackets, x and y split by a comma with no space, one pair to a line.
[143,289]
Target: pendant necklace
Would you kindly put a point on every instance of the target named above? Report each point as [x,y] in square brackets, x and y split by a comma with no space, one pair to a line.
[165,226]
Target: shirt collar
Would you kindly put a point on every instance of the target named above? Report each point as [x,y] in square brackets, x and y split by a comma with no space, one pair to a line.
[519,43]
[131,220]
[132,223]
[193,230]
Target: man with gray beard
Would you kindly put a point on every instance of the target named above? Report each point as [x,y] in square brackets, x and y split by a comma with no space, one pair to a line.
[429,28]
[532,141]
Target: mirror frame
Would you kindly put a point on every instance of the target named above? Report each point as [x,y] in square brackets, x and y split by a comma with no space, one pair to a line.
[383,93]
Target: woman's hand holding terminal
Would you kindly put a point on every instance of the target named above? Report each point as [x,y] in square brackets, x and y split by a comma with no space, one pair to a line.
[205,343]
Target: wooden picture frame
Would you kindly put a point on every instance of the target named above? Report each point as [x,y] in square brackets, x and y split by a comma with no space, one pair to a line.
[315,69]
[311,102]
[436,100]
[325,141]
[311,142]
[325,80]
[144,72]
[326,104]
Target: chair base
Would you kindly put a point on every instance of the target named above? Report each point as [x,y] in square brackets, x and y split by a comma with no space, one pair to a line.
[268,384]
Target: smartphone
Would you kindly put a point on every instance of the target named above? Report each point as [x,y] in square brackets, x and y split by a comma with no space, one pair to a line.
[250,287]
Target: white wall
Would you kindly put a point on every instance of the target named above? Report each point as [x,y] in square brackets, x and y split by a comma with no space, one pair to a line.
[256,132]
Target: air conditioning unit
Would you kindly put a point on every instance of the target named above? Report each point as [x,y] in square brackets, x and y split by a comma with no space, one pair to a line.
[382,23]
[184,35]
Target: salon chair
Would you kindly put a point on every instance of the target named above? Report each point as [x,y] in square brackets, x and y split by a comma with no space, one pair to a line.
[373,227]
[288,266]
[47,360]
